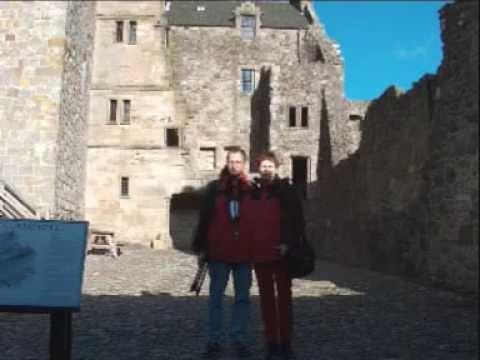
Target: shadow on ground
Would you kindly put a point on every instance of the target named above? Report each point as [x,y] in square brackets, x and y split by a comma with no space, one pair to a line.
[160,326]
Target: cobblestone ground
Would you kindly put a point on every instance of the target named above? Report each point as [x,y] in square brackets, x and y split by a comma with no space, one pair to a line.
[138,307]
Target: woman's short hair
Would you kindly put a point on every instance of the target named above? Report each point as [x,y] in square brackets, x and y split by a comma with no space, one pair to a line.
[267,155]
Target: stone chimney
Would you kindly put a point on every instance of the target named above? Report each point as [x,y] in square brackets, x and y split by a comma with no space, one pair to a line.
[306,8]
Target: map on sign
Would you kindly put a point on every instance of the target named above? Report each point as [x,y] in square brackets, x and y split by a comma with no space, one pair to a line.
[41,263]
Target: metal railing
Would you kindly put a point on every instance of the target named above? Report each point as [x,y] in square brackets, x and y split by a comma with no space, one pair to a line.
[12,206]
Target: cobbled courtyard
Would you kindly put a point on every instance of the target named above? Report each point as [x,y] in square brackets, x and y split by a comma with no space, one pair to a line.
[138,307]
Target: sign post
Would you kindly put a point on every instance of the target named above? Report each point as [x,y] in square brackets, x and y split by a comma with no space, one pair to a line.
[61,335]
[41,271]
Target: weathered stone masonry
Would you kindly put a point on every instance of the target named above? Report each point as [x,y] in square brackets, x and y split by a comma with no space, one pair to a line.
[406,202]
[184,73]
[392,183]
[45,49]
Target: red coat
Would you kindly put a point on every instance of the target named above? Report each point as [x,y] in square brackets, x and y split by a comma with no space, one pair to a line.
[226,240]
[261,220]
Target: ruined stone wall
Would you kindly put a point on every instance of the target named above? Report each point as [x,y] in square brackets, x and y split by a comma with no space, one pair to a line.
[453,194]
[405,202]
[39,96]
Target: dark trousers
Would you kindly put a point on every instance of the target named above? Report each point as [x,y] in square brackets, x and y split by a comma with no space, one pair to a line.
[275,287]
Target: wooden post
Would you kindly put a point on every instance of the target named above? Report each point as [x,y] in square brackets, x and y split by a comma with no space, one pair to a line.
[61,335]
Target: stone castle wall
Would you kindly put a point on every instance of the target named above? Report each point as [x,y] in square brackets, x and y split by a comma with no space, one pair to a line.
[207,64]
[453,167]
[407,201]
[38,83]
[135,72]
[70,179]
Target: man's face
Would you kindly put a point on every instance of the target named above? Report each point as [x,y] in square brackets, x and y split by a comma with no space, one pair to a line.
[235,163]
[267,169]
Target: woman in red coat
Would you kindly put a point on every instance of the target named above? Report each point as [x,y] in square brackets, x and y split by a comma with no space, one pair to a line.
[274,217]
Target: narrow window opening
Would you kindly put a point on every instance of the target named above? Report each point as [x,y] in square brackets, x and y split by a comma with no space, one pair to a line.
[167,37]
[207,158]
[172,138]
[119,31]
[132,35]
[292,116]
[248,80]
[113,112]
[304,116]
[125,186]
[355,117]
[248,27]
[126,112]
[319,54]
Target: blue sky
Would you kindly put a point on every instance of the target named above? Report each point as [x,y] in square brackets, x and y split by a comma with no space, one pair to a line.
[383,42]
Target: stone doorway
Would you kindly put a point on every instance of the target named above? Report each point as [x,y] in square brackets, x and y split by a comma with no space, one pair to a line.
[184,209]
[300,171]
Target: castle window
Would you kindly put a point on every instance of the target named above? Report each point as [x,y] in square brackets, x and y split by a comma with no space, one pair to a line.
[119,31]
[125,186]
[167,37]
[172,138]
[304,116]
[355,117]
[113,112]
[248,26]
[132,34]
[127,104]
[292,116]
[207,159]
[248,80]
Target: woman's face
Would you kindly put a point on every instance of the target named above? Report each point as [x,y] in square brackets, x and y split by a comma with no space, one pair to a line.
[267,169]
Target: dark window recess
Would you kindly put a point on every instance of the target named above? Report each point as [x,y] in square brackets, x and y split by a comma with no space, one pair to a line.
[319,54]
[126,111]
[172,138]
[119,31]
[167,37]
[132,34]
[355,117]
[113,111]
[304,116]
[125,186]
[292,116]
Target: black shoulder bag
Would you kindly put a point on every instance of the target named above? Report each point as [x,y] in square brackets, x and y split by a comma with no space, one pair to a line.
[300,259]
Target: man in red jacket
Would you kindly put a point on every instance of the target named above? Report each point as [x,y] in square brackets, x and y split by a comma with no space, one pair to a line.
[219,241]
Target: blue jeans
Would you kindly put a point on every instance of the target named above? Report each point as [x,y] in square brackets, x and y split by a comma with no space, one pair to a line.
[242,280]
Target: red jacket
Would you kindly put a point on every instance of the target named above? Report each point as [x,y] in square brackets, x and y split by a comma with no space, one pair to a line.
[226,239]
[260,222]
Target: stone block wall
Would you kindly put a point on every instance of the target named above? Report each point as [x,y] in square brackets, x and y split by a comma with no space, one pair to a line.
[406,202]
[206,65]
[71,151]
[135,149]
[39,97]
[453,167]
